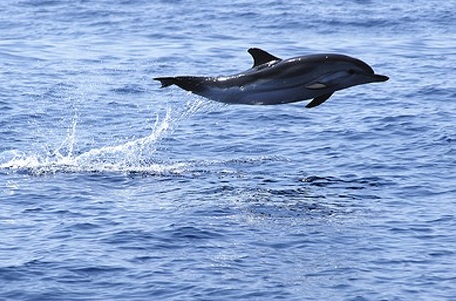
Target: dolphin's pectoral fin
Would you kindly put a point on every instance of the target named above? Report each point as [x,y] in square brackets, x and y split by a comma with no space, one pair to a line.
[261,57]
[316,86]
[318,100]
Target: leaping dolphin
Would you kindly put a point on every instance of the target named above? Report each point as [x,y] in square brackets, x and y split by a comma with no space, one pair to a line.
[272,80]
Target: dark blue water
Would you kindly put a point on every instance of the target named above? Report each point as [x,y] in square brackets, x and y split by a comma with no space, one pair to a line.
[113,189]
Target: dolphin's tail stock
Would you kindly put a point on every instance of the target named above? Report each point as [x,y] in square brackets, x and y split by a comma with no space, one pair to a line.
[189,83]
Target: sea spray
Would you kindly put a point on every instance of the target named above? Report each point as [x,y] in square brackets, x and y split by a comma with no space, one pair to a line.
[132,156]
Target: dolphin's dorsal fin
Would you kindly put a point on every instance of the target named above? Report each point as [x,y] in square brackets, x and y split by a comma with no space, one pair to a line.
[261,57]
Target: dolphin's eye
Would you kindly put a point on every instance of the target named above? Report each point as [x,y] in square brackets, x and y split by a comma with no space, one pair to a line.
[351,71]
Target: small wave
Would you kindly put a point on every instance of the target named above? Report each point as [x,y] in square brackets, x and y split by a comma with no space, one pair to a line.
[352,183]
[129,89]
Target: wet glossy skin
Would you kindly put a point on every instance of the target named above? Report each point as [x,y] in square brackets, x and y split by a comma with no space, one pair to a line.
[274,81]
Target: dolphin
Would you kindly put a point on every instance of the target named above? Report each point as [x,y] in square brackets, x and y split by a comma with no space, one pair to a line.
[273,80]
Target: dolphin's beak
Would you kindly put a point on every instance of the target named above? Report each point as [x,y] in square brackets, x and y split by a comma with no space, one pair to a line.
[379,78]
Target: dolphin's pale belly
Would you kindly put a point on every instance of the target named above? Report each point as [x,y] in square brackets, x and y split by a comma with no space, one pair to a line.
[256,96]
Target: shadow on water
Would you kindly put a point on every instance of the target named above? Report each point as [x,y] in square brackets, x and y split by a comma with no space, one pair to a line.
[264,196]
[314,197]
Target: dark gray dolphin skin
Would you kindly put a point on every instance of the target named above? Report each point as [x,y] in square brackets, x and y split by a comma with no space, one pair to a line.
[272,80]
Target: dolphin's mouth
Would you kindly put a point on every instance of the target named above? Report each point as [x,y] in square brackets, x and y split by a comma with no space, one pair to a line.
[379,78]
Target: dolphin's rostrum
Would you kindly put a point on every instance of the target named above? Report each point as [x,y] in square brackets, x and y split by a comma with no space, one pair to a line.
[272,80]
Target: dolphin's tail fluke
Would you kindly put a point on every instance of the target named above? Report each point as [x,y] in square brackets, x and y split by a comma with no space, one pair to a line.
[166,81]
[189,83]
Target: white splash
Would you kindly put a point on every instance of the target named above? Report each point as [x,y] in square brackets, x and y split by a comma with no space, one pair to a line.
[131,156]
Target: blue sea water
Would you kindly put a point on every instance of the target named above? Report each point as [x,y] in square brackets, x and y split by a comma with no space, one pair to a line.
[114,189]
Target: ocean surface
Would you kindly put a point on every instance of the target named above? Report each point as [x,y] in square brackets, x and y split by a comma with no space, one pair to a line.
[114,189]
